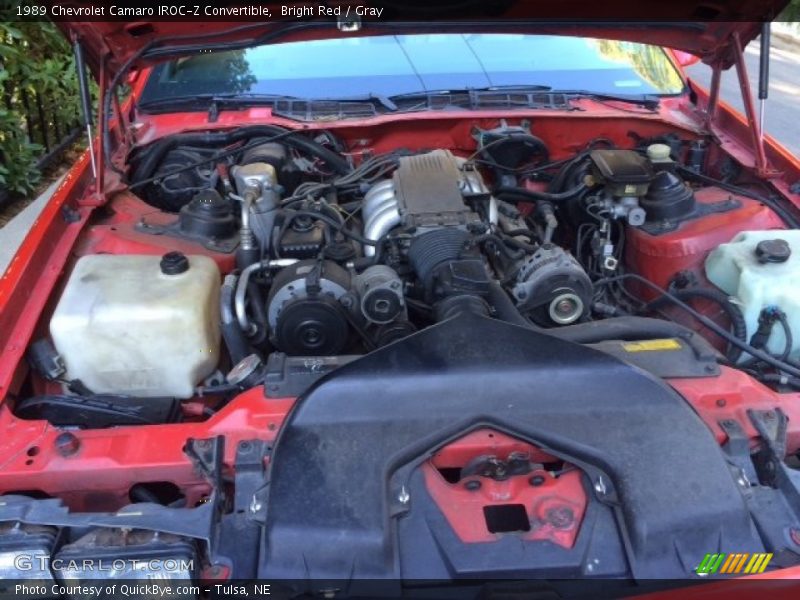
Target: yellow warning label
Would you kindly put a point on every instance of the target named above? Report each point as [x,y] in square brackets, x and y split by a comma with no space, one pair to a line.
[652,345]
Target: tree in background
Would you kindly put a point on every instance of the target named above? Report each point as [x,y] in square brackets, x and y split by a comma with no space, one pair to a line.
[38,98]
[791,12]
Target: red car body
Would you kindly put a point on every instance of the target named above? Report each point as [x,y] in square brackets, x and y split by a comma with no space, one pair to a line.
[94,470]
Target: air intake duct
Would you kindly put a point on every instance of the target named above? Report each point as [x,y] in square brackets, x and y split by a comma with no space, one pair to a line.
[446,268]
[431,249]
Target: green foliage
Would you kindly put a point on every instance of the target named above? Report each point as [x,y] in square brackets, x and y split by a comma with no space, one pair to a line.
[791,12]
[36,67]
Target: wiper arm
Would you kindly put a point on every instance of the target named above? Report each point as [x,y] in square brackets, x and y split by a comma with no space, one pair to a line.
[466,90]
[203,100]
[646,100]
[214,102]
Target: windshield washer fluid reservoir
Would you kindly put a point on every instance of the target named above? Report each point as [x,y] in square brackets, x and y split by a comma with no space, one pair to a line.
[143,326]
[761,269]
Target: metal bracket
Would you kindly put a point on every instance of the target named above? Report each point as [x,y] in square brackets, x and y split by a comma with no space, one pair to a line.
[761,166]
[737,451]
[250,482]
[700,210]
[226,245]
[489,466]
[207,455]
[771,426]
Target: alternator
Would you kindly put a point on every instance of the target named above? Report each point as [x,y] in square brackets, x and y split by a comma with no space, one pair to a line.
[552,287]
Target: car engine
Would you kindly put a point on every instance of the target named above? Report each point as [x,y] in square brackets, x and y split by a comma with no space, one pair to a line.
[337,254]
[446,345]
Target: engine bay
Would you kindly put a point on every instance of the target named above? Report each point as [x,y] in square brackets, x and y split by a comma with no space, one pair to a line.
[238,271]
[328,253]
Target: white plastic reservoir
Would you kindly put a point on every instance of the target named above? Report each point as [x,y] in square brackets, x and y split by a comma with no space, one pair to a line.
[124,327]
[760,277]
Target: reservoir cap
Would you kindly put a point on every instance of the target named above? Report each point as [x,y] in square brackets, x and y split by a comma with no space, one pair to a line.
[773,251]
[174,263]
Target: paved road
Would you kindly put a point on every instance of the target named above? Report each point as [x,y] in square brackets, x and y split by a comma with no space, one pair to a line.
[782,116]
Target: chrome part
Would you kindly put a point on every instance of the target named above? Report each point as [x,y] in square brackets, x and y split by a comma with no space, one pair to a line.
[380,224]
[257,185]
[566,308]
[240,298]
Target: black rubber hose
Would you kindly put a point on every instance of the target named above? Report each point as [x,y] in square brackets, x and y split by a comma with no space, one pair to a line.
[631,329]
[781,380]
[616,328]
[258,310]
[156,152]
[738,324]
[517,194]
[232,334]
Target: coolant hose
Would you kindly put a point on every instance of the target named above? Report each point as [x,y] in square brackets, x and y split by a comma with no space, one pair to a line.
[616,328]
[632,329]
[258,308]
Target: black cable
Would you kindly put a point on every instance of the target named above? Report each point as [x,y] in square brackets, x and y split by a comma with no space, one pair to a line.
[738,324]
[780,316]
[338,226]
[787,349]
[781,380]
[255,134]
[720,331]
[505,245]
[210,159]
[518,194]
[785,215]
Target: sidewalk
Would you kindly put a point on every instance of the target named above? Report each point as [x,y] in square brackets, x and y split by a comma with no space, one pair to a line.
[12,234]
[786,33]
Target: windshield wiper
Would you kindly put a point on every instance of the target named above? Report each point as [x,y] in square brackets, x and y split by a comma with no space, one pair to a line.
[466,90]
[215,102]
[210,102]
[646,100]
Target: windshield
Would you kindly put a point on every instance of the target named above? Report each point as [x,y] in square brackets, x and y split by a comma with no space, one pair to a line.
[401,64]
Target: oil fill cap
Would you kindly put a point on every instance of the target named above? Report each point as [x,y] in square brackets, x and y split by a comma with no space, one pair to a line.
[174,263]
[773,251]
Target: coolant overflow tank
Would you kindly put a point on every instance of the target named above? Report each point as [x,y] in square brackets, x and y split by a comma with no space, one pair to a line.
[761,269]
[144,326]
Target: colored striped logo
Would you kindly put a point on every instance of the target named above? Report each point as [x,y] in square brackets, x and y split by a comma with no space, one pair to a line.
[728,564]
